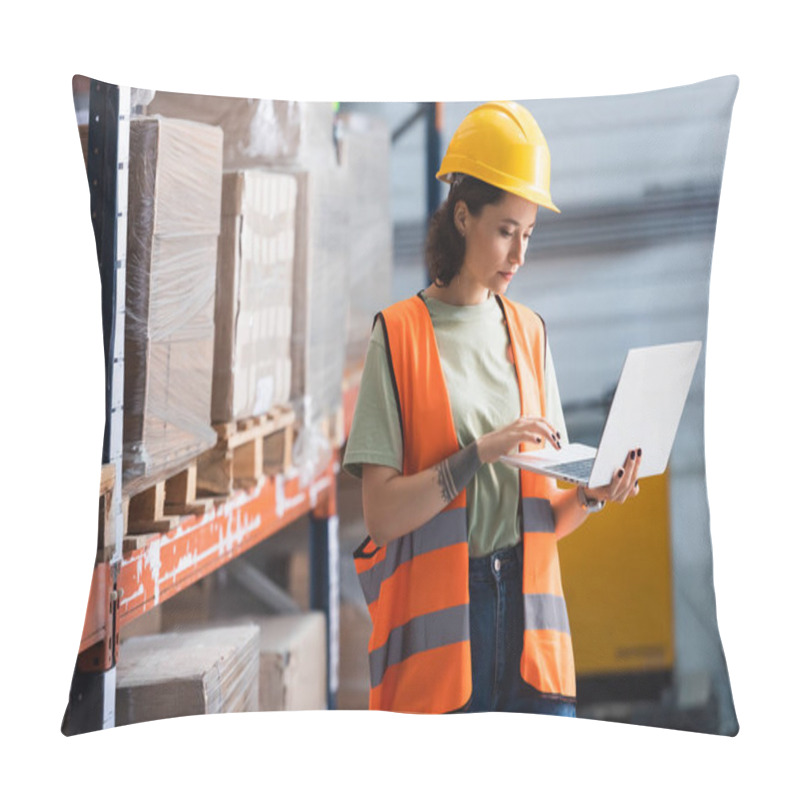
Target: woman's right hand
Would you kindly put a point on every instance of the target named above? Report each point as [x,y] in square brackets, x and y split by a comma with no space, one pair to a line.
[492,446]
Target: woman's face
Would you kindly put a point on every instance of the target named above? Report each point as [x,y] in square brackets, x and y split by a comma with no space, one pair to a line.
[496,240]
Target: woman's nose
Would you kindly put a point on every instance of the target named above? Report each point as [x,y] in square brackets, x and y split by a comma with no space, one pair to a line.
[517,254]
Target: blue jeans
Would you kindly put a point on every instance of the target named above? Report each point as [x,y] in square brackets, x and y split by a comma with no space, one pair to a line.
[496,633]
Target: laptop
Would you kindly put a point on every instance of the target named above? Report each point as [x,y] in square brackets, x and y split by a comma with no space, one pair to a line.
[645,412]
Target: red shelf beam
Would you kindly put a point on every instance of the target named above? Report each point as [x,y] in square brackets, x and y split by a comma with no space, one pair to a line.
[199,545]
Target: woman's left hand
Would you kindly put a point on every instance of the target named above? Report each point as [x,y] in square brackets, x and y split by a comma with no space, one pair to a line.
[623,485]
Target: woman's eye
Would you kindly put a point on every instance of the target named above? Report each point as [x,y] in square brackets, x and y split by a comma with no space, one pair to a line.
[506,233]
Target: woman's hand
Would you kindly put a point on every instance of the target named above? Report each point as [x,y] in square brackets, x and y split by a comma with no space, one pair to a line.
[623,485]
[570,514]
[506,440]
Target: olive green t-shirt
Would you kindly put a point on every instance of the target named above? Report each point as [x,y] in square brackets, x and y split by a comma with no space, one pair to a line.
[484,396]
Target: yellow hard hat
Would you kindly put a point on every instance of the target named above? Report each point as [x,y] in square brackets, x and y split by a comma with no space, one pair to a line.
[501,144]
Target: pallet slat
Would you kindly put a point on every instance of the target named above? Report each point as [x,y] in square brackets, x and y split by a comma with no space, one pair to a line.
[246,451]
[160,508]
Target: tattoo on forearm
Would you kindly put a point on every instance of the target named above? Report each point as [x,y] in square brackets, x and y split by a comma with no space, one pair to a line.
[454,473]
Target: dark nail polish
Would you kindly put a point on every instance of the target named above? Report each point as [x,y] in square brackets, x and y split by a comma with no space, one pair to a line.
[620,473]
[633,454]
[639,451]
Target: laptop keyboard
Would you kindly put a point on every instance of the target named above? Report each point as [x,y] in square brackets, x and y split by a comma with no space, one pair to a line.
[576,470]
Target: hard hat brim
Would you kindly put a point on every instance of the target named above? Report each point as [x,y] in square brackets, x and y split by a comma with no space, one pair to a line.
[483,172]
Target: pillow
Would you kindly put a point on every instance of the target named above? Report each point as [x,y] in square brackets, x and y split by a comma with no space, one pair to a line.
[262,236]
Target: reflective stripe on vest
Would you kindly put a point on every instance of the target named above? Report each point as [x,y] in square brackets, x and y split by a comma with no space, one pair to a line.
[417,587]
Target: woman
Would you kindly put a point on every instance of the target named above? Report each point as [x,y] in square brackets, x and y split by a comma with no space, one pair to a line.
[460,569]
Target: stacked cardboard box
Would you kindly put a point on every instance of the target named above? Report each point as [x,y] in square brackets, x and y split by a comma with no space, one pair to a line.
[175,180]
[257,132]
[252,365]
[296,137]
[292,661]
[180,674]
[292,647]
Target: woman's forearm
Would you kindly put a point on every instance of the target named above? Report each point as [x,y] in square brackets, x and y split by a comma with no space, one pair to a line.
[568,513]
[396,504]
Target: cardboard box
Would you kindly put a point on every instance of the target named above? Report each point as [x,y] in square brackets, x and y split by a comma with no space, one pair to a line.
[253,312]
[292,662]
[180,674]
[175,182]
[175,173]
[257,132]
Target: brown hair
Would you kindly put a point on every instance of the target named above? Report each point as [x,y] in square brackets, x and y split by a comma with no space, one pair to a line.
[445,246]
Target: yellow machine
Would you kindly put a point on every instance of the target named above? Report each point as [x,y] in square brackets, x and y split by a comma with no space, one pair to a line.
[617,578]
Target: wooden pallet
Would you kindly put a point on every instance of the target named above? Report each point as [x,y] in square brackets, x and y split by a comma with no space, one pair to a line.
[246,451]
[159,509]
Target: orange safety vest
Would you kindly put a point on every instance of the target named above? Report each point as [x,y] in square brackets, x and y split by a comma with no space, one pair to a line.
[417,586]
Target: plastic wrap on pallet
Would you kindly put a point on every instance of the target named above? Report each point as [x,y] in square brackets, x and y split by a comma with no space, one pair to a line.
[366,157]
[257,132]
[209,671]
[252,360]
[175,177]
[311,451]
[319,305]
[140,98]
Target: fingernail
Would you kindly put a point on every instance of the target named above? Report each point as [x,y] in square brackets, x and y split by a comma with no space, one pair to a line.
[633,454]
[558,435]
[620,473]
[636,484]
[639,451]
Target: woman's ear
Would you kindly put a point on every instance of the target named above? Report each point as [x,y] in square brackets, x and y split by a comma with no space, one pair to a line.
[460,214]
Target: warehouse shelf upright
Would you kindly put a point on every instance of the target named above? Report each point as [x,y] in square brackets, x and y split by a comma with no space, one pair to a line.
[126,584]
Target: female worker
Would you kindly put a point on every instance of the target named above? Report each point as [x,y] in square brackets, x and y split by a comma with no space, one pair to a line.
[460,570]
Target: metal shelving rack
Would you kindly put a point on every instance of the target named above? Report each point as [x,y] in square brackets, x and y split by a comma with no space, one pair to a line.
[130,584]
